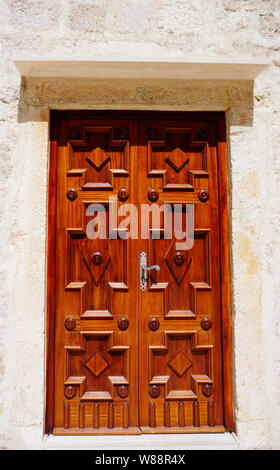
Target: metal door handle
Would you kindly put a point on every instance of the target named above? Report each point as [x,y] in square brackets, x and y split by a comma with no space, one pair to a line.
[144,269]
[155,266]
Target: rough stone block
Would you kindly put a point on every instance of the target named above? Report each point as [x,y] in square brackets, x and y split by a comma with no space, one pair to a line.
[35,15]
[87,17]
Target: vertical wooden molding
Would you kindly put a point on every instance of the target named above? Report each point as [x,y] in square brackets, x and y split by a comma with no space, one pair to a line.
[81,415]
[51,266]
[66,415]
[210,409]
[181,414]
[225,275]
[125,415]
[152,412]
[95,413]
[196,416]
[166,413]
[111,415]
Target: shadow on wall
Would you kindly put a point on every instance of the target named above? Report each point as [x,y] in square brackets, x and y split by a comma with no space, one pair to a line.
[39,95]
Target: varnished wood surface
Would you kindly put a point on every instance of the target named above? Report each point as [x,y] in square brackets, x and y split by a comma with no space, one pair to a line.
[181,356]
[51,263]
[95,432]
[187,429]
[99,154]
[225,275]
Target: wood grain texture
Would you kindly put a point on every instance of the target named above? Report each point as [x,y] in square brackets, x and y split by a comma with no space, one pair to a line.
[96,356]
[180,163]
[178,430]
[196,414]
[225,275]
[51,271]
[210,413]
[95,282]
[166,414]
[125,415]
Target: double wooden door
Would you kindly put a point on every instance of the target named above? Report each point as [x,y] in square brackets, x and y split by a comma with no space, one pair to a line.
[125,357]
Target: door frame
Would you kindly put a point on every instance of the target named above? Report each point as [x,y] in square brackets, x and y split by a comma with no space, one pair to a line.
[220,120]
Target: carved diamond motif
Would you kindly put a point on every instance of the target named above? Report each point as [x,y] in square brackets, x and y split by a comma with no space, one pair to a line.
[180,363]
[96,364]
[177,159]
[98,158]
[97,270]
[178,271]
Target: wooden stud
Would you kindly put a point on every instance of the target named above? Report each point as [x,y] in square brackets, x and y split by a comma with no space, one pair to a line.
[66,415]
[166,413]
[81,415]
[210,409]
[95,415]
[152,408]
[196,415]
[154,324]
[181,414]
[111,415]
[125,415]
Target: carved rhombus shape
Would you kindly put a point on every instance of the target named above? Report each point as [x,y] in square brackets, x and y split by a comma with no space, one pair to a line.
[180,363]
[177,159]
[98,158]
[97,271]
[96,364]
[177,271]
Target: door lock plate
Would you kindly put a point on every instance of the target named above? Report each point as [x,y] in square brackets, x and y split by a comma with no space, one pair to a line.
[144,269]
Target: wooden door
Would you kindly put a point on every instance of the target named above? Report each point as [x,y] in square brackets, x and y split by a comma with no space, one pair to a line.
[123,359]
[180,330]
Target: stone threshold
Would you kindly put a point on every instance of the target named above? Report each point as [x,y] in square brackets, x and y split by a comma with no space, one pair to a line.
[223,441]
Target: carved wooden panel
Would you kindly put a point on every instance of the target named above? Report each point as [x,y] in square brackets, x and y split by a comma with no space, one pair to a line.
[179,162]
[128,360]
[96,356]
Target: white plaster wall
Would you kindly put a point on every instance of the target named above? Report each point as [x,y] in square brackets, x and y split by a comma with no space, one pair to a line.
[154,28]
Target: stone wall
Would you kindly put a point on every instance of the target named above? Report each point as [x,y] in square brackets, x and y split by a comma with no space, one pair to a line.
[152,29]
